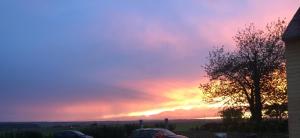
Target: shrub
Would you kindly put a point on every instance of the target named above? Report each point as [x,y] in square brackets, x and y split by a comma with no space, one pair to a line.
[231,115]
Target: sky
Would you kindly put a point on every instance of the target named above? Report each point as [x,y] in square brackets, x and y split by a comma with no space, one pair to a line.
[116,60]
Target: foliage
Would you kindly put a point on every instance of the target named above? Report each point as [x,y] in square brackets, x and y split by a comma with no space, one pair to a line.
[248,126]
[109,131]
[277,105]
[248,77]
[21,134]
[232,115]
[118,131]
[162,125]
[277,111]
[93,129]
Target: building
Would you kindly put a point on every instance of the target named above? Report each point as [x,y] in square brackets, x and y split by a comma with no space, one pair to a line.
[292,39]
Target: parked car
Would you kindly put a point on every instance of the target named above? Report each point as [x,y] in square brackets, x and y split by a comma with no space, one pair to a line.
[71,134]
[154,133]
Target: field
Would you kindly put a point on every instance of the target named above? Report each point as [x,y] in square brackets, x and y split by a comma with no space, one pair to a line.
[195,128]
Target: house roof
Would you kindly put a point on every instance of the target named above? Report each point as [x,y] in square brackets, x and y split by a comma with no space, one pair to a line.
[293,29]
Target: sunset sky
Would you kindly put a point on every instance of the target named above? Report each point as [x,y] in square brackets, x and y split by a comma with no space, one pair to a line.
[116,60]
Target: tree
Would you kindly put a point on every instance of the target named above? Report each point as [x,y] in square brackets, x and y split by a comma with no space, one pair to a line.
[244,77]
[231,114]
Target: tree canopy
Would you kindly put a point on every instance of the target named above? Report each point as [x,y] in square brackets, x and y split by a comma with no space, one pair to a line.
[251,76]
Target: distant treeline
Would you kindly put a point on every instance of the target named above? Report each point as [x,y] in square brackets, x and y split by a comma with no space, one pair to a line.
[10,126]
[21,134]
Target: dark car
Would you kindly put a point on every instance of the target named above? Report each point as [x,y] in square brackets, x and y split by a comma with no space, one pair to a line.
[154,133]
[71,134]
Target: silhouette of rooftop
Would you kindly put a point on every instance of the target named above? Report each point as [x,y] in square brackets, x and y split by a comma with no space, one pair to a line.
[293,29]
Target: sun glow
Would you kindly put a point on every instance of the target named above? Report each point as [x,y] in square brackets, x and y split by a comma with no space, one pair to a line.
[183,98]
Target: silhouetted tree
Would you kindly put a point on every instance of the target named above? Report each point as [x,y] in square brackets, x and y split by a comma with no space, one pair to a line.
[244,77]
[232,114]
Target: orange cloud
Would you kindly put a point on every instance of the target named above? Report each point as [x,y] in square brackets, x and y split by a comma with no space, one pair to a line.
[172,97]
[176,95]
[169,98]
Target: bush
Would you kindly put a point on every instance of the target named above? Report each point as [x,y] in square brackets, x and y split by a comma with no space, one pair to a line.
[114,131]
[21,134]
[29,134]
[248,126]
[162,125]
[231,115]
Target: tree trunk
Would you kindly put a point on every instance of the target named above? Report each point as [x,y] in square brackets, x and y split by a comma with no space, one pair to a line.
[257,113]
[258,106]
[252,111]
[257,94]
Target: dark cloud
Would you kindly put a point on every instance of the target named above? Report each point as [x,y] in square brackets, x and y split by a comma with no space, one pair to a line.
[57,52]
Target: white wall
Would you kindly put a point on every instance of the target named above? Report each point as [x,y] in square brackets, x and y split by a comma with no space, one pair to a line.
[293,77]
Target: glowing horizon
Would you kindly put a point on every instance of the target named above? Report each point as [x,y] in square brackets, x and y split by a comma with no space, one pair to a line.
[109,60]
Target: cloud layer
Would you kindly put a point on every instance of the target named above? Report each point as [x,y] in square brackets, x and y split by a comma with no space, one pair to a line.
[95,60]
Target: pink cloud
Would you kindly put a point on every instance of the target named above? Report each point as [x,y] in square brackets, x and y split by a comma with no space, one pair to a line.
[153,35]
[220,30]
[172,97]
[167,96]
[92,110]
